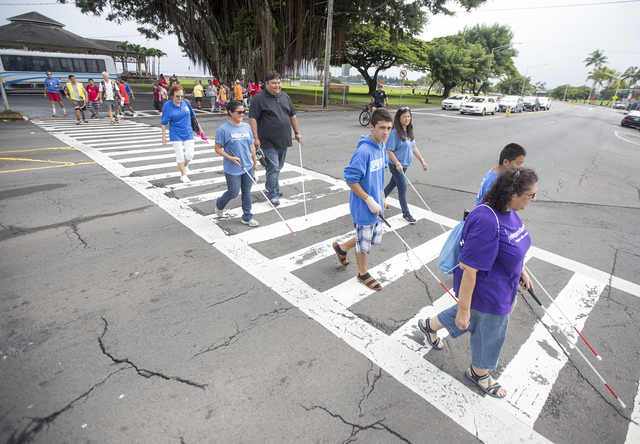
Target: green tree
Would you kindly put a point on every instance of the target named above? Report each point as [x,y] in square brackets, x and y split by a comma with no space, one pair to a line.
[631,76]
[490,65]
[595,59]
[227,35]
[449,62]
[126,48]
[513,85]
[373,48]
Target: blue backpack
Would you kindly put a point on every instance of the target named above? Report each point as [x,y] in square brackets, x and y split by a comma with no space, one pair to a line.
[450,254]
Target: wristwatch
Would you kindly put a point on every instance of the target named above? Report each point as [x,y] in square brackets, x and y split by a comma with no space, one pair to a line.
[296,132]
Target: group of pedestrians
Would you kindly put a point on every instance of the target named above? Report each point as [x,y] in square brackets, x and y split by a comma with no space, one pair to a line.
[493,244]
[116,95]
[220,93]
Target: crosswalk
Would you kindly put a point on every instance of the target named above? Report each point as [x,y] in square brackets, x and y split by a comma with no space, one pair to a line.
[133,152]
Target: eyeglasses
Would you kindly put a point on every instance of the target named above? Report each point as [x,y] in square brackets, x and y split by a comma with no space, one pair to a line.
[532,196]
[239,112]
[178,95]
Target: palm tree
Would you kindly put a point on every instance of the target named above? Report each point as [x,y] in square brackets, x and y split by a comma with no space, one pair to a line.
[631,75]
[137,49]
[150,53]
[597,59]
[125,47]
[159,53]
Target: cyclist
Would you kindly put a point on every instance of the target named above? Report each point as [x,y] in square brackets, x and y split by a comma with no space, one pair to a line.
[379,98]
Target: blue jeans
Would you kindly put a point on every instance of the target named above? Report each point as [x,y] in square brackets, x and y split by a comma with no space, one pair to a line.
[397,179]
[235,184]
[487,331]
[275,162]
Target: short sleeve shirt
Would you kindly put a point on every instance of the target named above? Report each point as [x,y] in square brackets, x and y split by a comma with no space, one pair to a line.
[497,255]
[53,85]
[179,120]
[485,185]
[239,139]
[378,97]
[402,149]
[92,91]
[273,115]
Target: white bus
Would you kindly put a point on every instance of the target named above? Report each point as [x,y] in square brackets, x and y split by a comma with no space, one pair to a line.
[25,70]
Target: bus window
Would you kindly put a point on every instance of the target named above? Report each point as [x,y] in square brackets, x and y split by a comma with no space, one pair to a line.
[66,65]
[79,66]
[92,66]
[40,64]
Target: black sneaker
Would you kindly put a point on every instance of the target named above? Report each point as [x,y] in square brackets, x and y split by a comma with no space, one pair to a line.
[409,218]
[274,202]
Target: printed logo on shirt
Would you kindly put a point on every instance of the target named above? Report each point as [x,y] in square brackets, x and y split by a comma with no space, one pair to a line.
[377,164]
[240,136]
[519,235]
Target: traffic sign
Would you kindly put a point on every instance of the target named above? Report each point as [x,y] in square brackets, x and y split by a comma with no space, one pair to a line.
[403,74]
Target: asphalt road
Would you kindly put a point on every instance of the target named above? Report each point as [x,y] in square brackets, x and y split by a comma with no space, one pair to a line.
[130,313]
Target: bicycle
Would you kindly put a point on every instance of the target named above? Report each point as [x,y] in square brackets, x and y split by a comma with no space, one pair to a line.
[365,115]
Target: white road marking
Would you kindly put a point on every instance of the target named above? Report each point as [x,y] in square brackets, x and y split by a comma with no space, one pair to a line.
[633,434]
[626,140]
[398,354]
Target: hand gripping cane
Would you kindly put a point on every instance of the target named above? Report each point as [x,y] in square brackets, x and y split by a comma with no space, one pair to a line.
[265,196]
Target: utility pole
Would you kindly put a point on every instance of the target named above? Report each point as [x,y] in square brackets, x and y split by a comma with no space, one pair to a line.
[4,96]
[327,55]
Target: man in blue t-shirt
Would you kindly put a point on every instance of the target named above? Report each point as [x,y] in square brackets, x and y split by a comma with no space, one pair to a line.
[365,177]
[511,155]
[52,90]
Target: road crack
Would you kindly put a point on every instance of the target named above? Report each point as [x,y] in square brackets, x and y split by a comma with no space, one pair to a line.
[142,371]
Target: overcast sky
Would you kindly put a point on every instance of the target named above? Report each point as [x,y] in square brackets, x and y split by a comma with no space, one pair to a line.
[554,36]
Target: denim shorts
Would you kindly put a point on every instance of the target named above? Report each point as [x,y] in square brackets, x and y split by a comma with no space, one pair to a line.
[487,332]
[367,235]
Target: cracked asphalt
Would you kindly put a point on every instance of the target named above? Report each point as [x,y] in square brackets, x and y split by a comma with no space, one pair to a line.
[118,324]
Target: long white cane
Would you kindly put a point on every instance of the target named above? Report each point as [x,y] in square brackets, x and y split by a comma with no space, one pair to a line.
[304,195]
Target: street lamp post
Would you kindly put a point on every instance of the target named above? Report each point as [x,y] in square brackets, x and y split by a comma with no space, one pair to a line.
[498,48]
[524,79]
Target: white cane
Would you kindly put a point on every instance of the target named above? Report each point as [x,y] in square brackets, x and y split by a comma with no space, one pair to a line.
[304,195]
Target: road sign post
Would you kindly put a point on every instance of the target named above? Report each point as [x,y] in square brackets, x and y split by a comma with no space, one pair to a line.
[403,74]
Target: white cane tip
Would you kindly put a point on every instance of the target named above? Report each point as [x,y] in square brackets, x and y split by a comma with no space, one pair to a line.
[622,403]
[571,346]
[599,358]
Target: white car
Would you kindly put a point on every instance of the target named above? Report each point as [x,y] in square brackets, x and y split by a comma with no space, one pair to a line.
[479,105]
[454,101]
[545,103]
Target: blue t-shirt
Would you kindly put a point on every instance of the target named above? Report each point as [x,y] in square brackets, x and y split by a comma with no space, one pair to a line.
[366,168]
[239,139]
[498,257]
[53,85]
[403,150]
[485,185]
[127,88]
[180,118]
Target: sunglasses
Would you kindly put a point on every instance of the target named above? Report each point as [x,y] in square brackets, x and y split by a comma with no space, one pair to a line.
[239,112]
[404,108]
[178,95]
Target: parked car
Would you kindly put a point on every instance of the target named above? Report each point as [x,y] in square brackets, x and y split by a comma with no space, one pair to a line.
[620,105]
[454,101]
[515,102]
[531,103]
[479,105]
[632,119]
[545,103]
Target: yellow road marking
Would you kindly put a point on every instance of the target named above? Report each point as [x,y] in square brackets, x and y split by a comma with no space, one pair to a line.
[64,164]
[67,148]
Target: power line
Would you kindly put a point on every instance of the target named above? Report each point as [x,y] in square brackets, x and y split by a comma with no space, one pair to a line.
[558,6]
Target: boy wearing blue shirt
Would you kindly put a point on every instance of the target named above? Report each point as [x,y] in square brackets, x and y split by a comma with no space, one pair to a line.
[511,155]
[365,176]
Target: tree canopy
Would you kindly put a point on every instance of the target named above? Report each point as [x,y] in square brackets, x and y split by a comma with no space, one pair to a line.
[228,35]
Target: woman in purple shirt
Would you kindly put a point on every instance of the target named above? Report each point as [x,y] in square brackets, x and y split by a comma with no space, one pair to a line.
[493,246]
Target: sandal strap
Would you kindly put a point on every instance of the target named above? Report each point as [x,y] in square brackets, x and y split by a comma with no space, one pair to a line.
[476,377]
[369,281]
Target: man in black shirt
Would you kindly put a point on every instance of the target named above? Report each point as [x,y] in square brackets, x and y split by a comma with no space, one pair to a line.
[271,117]
[379,98]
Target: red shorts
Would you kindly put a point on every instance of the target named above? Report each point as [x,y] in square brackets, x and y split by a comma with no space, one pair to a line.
[54,97]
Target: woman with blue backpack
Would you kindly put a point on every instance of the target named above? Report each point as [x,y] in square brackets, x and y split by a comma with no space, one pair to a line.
[493,245]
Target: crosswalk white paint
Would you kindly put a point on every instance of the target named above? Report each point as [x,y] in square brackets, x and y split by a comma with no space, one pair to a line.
[530,375]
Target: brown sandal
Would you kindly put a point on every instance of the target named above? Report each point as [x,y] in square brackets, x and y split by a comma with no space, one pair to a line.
[342,256]
[370,282]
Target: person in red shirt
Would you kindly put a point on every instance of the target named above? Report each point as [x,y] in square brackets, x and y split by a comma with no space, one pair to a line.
[162,81]
[125,98]
[215,82]
[93,98]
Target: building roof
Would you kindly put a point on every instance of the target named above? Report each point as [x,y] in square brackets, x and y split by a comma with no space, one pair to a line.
[35,32]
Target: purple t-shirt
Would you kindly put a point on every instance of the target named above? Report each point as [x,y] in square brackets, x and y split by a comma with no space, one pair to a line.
[499,261]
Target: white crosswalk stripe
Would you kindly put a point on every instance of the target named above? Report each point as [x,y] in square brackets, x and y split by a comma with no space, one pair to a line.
[530,374]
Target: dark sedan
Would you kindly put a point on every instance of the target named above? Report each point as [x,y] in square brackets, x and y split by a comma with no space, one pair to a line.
[632,119]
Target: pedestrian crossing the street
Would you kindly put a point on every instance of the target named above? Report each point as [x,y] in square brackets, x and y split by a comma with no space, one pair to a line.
[134,153]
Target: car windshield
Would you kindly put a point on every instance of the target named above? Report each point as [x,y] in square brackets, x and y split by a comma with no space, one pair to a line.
[456,97]
[478,99]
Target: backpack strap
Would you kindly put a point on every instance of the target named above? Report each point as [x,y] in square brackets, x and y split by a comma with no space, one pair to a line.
[494,214]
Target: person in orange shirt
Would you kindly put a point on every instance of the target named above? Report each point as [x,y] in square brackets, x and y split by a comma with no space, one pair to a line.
[237,91]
